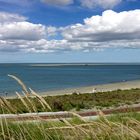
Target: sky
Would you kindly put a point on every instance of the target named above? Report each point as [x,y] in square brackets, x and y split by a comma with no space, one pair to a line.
[66,31]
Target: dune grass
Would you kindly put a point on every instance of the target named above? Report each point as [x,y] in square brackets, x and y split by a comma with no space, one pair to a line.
[113,128]
[116,127]
[74,102]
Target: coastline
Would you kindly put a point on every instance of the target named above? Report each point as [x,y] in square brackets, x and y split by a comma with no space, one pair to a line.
[128,85]
[95,88]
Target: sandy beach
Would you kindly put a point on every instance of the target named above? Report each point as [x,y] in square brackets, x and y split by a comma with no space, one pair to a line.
[95,88]
[90,89]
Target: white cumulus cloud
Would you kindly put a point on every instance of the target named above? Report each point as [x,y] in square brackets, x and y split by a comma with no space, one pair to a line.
[107,27]
[14,26]
[11,17]
[22,30]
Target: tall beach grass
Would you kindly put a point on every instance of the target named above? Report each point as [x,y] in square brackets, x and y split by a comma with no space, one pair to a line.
[117,127]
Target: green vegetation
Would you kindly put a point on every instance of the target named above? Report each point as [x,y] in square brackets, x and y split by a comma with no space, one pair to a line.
[78,101]
[115,127]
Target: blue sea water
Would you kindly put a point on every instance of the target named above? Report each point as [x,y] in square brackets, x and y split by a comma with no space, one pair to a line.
[48,78]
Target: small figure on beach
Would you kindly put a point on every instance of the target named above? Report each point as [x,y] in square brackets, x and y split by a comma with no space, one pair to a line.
[94,90]
[6,93]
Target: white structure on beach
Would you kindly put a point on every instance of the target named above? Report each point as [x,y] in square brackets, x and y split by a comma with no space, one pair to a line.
[93,90]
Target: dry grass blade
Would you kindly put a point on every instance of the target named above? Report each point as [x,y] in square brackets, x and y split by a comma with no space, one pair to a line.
[7,128]
[71,127]
[69,124]
[2,128]
[1,102]
[20,83]
[102,115]
[65,121]
[133,121]
[133,132]
[30,102]
[41,99]
[24,103]
[78,116]
[7,104]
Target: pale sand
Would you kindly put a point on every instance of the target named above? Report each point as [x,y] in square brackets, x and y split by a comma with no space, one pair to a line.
[96,88]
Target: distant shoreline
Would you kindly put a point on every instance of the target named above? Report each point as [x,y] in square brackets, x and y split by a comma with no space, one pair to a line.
[77,64]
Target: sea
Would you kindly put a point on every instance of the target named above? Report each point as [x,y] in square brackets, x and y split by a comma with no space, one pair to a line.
[49,77]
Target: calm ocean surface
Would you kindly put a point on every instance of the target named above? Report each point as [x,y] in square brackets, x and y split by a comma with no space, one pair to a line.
[47,78]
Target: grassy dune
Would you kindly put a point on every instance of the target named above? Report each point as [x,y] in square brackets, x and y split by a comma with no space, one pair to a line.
[77,101]
[117,127]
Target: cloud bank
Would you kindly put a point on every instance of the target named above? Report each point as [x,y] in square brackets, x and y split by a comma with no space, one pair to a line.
[100,3]
[58,2]
[91,4]
[98,32]
[84,3]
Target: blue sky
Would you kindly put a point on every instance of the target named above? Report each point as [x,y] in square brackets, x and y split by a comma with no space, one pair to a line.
[69,31]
